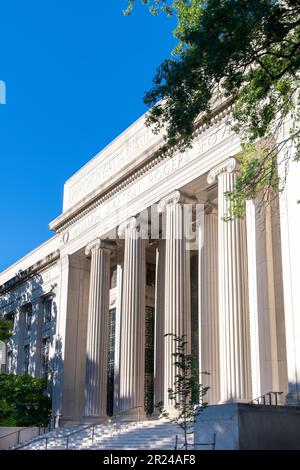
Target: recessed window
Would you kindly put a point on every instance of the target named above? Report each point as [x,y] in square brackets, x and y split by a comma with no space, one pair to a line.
[26,359]
[113,277]
[45,356]
[150,280]
[47,310]
[9,362]
[10,317]
[28,317]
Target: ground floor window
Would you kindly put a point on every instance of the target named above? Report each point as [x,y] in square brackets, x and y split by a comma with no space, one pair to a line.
[9,362]
[45,357]
[111,361]
[149,360]
[26,359]
[47,307]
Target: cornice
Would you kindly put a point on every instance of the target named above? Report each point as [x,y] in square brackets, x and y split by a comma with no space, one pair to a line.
[23,276]
[64,221]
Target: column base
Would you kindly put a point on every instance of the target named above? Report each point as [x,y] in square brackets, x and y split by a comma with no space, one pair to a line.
[239,426]
[94,419]
[132,415]
[156,414]
[234,400]
[171,412]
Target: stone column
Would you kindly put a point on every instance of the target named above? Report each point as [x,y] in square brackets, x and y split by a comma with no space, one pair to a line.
[177,286]
[97,331]
[132,350]
[233,301]
[159,323]
[209,307]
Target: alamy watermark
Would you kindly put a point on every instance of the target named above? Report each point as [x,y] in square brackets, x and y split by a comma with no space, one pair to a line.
[151,225]
[2,92]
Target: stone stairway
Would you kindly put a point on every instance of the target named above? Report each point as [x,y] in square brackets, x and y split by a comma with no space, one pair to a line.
[144,435]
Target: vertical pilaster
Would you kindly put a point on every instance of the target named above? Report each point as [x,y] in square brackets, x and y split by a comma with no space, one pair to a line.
[36,337]
[58,351]
[68,352]
[20,333]
[132,355]
[233,302]
[290,249]
[97,331]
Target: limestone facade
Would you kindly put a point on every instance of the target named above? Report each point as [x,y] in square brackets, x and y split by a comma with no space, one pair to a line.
[142,250]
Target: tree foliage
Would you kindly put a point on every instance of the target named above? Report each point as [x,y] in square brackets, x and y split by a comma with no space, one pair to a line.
[24,401]
[248,52]
[186,393]
[5,329]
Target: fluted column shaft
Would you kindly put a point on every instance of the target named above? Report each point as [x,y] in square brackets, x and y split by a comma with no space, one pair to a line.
[209,308]
[177,287]
[97,331]
[132,353]
[233,301]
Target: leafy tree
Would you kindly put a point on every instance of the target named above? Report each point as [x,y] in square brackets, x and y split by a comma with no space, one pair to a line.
[248,52]
[24,401]
[5,329]
[6,415]
[187,393]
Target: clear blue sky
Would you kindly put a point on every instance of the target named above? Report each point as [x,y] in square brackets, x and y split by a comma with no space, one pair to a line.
[75,72]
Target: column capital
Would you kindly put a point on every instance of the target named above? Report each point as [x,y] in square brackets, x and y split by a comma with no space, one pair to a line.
[98,244]
[129,224]
[176,197]
[227,166]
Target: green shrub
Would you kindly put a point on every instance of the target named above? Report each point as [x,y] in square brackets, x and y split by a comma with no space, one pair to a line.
[24,401]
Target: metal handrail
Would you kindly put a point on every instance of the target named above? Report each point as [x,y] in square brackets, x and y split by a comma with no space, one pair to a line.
[18,431]
[89,426]
[13,432]
[266,399]
[93,425]
[213,444]
[47,438]
[54,418]
[66,437]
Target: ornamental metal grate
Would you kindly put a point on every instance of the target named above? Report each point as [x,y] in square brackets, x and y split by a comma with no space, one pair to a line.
[149,360]
[111,362]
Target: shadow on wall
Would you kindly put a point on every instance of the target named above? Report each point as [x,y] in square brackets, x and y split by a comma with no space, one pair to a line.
[33,310]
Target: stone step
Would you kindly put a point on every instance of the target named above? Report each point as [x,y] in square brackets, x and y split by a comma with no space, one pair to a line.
[146,435]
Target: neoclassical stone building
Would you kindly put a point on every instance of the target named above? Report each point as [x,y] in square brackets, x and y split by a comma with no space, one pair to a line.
[141,249]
